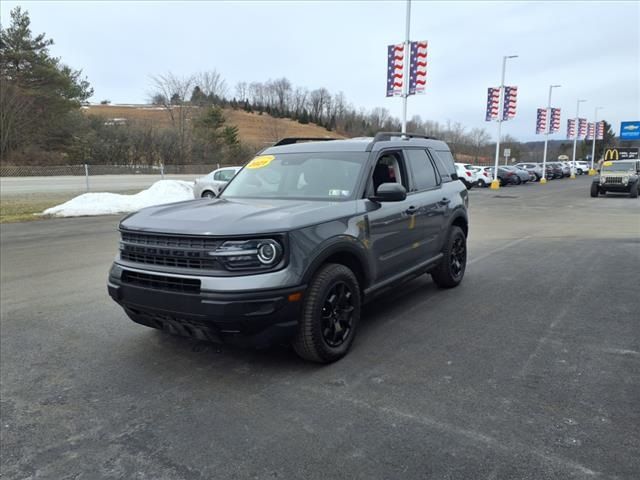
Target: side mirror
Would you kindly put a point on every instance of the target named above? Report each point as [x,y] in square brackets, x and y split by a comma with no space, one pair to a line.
[389,192]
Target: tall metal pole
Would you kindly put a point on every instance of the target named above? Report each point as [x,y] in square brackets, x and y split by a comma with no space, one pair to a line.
[547,130]
[407,59]
[575,140]
[495,184]
[593,140]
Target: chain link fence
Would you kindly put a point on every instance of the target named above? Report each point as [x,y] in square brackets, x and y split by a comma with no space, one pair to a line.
[33,179]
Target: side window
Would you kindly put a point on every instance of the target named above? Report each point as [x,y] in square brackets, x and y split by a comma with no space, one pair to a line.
[424,175]
[217,175]
[390,168]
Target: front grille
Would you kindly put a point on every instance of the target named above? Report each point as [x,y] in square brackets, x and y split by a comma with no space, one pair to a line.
[160,282]
[170,251]
[612,179]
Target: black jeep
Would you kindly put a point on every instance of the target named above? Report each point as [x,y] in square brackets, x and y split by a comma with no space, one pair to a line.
[296,242]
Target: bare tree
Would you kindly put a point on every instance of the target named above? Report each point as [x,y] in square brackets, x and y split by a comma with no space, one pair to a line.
[211,84]
[281,91]
[15,110]
[242,91]
[479,139]
[299,100]
[174,93]
[317,100]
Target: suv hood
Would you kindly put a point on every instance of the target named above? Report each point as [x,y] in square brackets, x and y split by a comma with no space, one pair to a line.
[236,216]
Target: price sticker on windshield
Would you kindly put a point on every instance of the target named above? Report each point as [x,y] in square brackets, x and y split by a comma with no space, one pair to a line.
[260,161]
[607,164]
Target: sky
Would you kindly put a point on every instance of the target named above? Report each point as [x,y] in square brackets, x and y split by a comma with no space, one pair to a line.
[592,49]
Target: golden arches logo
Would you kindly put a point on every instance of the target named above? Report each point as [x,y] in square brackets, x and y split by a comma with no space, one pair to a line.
[612,154]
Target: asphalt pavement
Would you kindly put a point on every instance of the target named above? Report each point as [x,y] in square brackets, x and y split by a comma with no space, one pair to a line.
[529,370]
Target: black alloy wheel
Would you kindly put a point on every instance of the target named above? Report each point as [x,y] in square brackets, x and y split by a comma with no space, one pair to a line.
[458,257]
[337,314]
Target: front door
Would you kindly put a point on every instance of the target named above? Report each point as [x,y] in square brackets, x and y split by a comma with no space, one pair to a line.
[393,232]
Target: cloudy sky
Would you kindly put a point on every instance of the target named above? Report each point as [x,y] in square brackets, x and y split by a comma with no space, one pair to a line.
[591,48]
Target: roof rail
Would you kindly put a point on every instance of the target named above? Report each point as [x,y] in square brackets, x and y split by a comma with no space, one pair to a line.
[385,136]
[292,140]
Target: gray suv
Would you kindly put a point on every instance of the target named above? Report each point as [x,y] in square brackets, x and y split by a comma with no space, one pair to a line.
[296,242]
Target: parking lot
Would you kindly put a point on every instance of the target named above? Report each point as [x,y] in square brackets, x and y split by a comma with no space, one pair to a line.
[529,370]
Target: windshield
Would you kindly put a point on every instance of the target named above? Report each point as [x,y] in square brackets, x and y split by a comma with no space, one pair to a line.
[618,166]
[313,176]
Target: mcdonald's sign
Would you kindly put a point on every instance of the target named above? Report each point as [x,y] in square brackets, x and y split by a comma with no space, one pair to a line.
[621,153]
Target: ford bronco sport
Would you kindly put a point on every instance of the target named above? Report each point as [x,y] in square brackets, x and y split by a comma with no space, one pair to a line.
[296,242]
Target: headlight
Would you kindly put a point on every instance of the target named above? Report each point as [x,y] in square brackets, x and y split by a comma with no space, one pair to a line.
[602,179]
[249,254]
[625,180]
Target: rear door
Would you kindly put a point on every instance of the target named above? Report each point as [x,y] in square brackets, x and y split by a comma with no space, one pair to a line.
[431,203]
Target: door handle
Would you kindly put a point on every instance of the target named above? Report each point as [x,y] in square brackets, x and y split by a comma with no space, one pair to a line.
[445,201]
[411,210]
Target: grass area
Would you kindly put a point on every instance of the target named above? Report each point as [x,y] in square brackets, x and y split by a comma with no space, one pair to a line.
[23,208]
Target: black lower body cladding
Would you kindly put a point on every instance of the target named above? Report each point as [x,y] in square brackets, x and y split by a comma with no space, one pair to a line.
[179,306]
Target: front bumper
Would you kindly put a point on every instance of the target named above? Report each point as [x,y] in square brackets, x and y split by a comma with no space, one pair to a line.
[616,187]
[253,318]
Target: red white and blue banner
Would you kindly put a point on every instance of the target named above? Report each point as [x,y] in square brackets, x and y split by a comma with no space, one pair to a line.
[395,69]
[582,128]
[555,120]
[493,103]
[541,121]
[600,131]
[571,128]
[510,101]
[418,67]
[591,131]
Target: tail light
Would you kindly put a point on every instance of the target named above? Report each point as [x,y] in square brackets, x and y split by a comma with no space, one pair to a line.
[468,174]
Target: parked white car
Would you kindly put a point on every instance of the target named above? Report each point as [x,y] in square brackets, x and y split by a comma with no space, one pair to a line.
[582,167]
[484,177]
[467,176]
[210,185]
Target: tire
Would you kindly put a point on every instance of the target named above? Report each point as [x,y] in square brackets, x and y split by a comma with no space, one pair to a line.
[518,180]
[580,171]
[481,184]
[594,190]
[633,193]
[208,194]
[451,270]
[325,336]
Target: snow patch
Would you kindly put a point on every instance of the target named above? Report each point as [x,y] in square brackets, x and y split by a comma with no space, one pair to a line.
[161,192]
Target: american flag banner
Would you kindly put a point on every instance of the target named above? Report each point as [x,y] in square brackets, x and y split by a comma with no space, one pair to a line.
[582,128]
[395,69]
[600,131]
[510,100]
[555,120]
[493,103]
[541,121]
[571,129]
[418,67]
[591,130]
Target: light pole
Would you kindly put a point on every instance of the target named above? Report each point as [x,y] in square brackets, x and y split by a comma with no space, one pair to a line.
[575,139]
[495,184]
[593,140]
[407,59]
[547,130]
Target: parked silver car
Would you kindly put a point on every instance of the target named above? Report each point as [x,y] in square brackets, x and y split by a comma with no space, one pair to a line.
[211,184]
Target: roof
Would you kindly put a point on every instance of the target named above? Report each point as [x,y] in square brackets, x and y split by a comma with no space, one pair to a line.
[361,144]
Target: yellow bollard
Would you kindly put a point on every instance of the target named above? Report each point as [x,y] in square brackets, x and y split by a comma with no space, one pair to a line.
[495,185]
[543,181]
[592,172]
[572,176]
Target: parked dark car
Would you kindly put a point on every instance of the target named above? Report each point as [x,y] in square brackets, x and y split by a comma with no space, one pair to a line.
[296,242]
[506,177]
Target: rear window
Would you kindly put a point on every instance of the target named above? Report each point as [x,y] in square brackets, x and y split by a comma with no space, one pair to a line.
[445,164]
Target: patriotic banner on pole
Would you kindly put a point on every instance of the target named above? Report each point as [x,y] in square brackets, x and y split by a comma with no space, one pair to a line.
[591,131]
[493,103]
[582,128]
[541,121]
[571,129]
[395,69]
[555,120]
[600,131]
[418,67]
[510,100]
